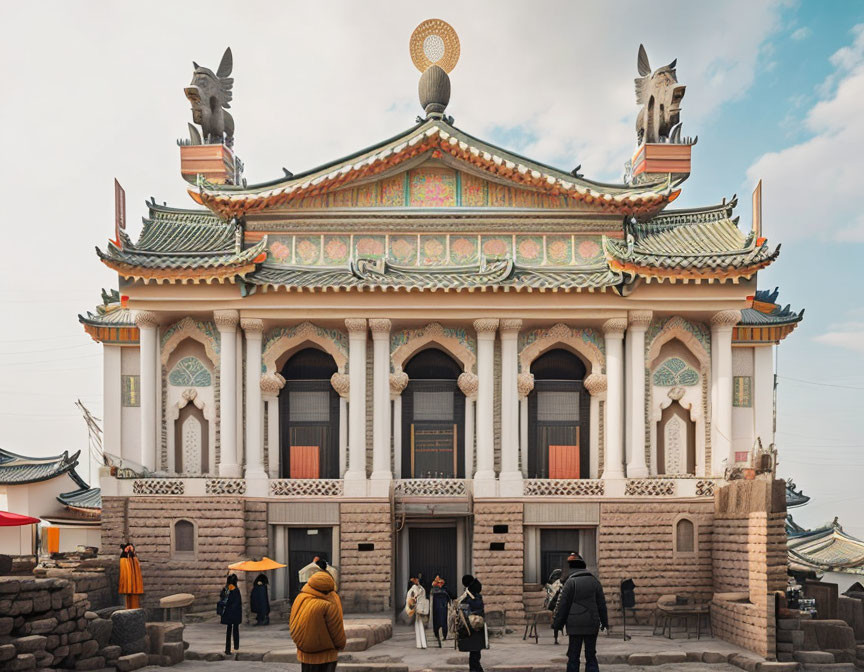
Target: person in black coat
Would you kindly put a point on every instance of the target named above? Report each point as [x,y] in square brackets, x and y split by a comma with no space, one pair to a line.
[232,615]
[473,639]
[582,608]
[259,601]
[440,603]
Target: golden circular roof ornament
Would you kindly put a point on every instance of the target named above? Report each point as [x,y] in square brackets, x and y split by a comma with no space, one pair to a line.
[434,42]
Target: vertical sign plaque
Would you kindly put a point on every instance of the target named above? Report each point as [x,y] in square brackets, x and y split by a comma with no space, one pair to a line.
[119,212]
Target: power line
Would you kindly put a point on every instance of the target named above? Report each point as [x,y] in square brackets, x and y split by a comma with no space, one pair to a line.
[813,382]
[32,352]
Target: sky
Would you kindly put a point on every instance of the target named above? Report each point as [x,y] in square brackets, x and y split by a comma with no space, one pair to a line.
[94,91]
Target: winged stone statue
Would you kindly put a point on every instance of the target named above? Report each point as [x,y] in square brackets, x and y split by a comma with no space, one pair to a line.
[210,94]
[660,95]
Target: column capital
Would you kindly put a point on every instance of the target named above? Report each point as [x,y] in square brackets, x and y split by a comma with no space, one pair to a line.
[486,327]
[271,384]
[398,383]
[380,328]
[726,318]
[356,326]
[341,383]
[639,319]
[615,326]
[510,327]
[226,320]
[595,383]
[525,384]
[145,319]
[468,384]
[252,325]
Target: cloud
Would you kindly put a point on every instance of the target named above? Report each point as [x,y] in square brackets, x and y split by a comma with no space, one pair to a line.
[812,188]
[801,34]
[850,340]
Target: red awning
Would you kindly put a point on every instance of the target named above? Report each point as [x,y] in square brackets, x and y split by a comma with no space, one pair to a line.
[12,519]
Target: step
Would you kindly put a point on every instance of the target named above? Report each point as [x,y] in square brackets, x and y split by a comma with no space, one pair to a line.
[828,667]
[818,657]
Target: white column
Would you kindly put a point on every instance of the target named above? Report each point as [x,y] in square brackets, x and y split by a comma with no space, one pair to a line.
[613,465]
[355,477]
[468,384]
[511,475]
[722,324]
[226,322]
[484,477]
[763,393]
[595,384]
[382,472]
[635,386]
[147,324]
[273,449]
[112,396]
[524,384]
[256,477]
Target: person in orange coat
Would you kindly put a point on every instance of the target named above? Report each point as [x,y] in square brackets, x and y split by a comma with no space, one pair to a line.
[316,624]
[131,584]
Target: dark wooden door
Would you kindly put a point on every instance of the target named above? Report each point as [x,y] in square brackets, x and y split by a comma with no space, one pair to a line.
[304,543]
[431,551]
[555,546]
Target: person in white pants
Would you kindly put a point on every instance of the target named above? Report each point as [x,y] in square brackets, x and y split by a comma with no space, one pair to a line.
[417,609]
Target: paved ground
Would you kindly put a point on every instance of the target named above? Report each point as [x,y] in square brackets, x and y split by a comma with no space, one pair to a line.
[511,650]
[232,666]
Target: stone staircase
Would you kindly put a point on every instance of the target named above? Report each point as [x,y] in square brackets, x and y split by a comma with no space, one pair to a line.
[821,661]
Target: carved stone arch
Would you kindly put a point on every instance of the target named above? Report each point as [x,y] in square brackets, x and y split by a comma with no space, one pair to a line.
[203,332]
[585,343]
[692,403]
[678,328]
[283,342]
[693,529]
[455,342]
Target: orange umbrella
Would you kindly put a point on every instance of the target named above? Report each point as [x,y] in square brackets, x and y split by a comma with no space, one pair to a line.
[261,565]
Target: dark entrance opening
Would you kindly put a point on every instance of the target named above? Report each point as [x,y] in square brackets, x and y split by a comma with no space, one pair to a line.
[303,545]
[558,418]
[309,417]
[433,418]
[431,551]
[555,546]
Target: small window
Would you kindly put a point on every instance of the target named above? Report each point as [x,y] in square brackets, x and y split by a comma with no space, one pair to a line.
[685,536]
[365,547]
[496,546]
[500,529]
[184,538]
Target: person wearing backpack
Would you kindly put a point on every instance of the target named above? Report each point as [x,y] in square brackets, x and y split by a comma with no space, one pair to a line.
[582,608]
[232,612]
[316,624]
[472,634]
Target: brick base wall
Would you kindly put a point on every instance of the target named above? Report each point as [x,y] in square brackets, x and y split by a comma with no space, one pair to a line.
[500,572]
[365,576]
[635,541]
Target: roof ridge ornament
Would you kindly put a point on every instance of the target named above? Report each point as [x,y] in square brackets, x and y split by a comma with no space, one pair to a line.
[434,49]
[210,94]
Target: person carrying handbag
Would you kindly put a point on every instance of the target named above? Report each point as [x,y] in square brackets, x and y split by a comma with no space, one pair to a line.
[471,632]
[417,609]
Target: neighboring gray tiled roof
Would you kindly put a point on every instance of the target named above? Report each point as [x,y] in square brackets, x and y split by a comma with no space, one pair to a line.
[794,497]
[828,548]
[83,498]
[754,317]
[19,469]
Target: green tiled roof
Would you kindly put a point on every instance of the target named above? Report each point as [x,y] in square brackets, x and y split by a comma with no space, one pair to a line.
[751,317]
[695,245]
[367,274]
[19,469]
[83,498]
[828,548]
[110,313]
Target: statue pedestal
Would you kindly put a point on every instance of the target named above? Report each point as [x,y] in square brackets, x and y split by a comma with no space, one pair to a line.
[215,162]
[662,158]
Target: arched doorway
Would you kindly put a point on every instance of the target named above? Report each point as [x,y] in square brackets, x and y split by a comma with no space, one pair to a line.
[309,417]
[433,417]
[191,441]
[558,417]
[676,441]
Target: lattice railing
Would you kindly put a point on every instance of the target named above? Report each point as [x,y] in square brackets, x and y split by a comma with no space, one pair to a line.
[225,486]
[431,487]
[705,488]
[650,487]
[306,487]
[158,486]
[555,487]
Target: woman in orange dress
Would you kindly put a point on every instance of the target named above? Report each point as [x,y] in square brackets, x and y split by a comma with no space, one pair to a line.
[131,584]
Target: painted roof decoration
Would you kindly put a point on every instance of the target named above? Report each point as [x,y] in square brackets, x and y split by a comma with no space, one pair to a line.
[112,322]
[19,469]
[84,499]
[765,321]
[183,246]
[794,497]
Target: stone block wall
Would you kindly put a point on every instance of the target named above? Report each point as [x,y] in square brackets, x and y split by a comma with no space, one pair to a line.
[750,559]
[113,525]
[257,541]
[635,541]
[500,571]
[221,539]
[365,576]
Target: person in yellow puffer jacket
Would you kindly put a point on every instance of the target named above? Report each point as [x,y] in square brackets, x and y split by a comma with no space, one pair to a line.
[316,624]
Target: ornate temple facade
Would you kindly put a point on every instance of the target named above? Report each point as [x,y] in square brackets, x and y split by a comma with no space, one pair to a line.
[435,356]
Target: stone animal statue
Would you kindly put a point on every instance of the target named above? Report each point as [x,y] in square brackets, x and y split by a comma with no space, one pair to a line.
[660,96]
[210,95]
